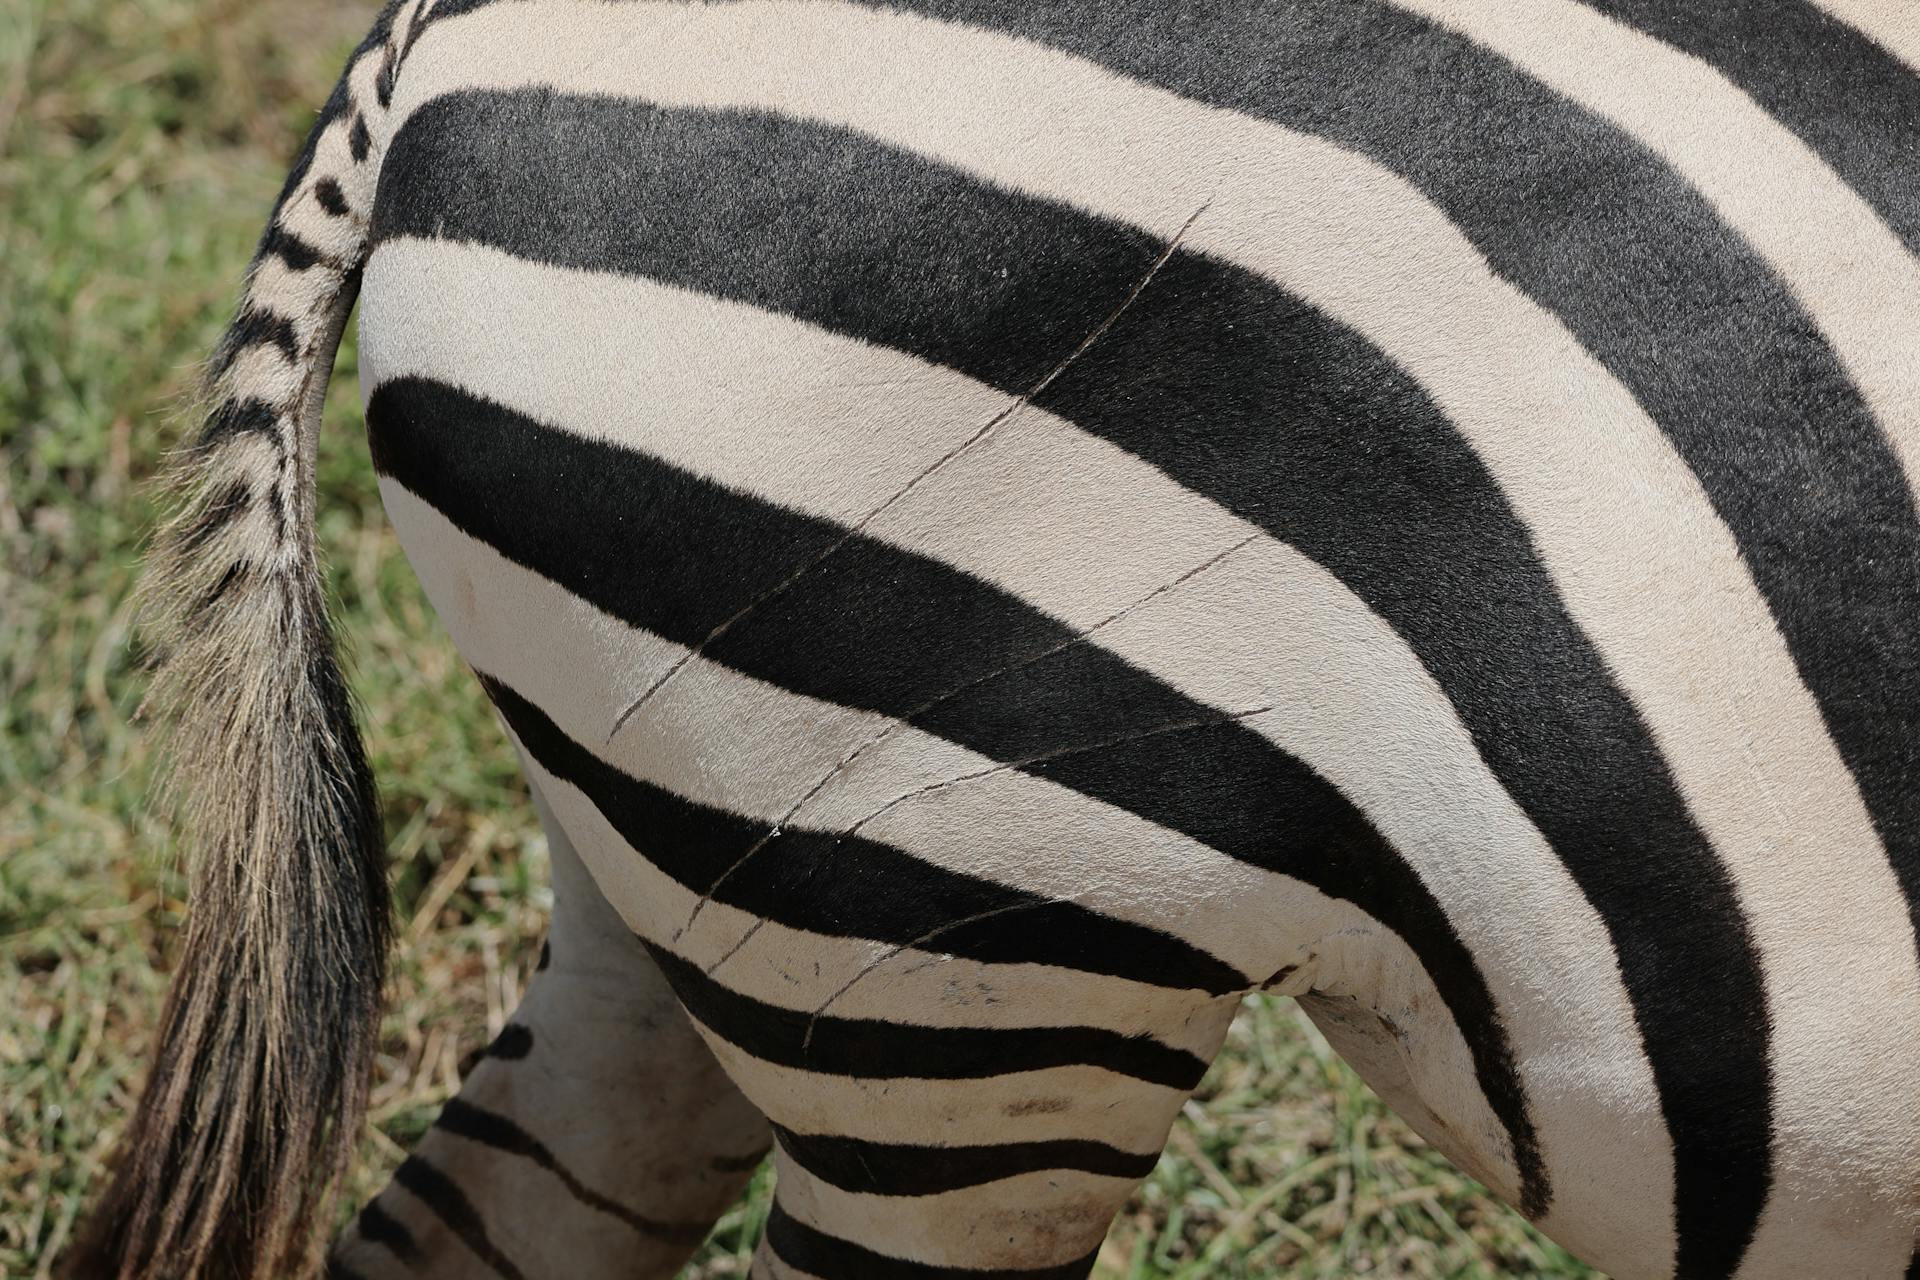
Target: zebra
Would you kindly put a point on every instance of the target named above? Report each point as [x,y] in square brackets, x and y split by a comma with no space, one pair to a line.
[998,529]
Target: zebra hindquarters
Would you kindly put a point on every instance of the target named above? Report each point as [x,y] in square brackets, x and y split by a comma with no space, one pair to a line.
[999,535]
[960,767]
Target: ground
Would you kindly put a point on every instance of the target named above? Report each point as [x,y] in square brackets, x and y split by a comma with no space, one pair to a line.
[141,142]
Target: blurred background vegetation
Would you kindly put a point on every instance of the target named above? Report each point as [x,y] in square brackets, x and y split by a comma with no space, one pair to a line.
[141,143]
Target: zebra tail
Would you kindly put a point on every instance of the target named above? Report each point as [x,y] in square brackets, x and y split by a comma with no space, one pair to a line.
[258,1084]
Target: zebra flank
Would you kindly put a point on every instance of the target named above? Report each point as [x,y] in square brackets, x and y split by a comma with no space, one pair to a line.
[998,529]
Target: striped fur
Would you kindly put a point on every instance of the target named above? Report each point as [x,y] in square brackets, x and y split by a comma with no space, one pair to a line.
[997,529]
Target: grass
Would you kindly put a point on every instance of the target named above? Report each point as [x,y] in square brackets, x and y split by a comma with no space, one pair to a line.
[141,142]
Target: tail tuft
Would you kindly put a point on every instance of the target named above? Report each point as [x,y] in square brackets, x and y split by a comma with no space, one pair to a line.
[259,1082]
[266,1043]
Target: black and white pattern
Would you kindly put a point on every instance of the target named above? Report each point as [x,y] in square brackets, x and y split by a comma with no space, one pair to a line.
[998,528]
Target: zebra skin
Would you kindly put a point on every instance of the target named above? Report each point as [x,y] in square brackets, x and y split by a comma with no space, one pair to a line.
[999,528]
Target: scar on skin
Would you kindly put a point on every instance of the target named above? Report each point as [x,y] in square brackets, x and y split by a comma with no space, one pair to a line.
[773,833]
[731,951]
[1172,726]
[985,430]
[806,1041]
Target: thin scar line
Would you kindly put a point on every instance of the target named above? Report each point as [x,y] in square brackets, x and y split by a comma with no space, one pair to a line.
[1174,726]
[906,721]
[982,433]
[806,1041]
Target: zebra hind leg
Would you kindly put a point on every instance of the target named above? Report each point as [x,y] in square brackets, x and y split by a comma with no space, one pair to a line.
[1014,1176]
[596,1138]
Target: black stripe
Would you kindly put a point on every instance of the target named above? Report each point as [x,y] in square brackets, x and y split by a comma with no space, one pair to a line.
[236,573]
[444,9]
[278,506]
[255,328]
[854,887]
[423,16]
[331,197]
[831,1258]
[245,416]
[440,1194]
[890,1169]
[233,502]
[1846,97]
[514,1041]
[1913,1268]
[377,1226]
[477,1124]
[870,1049]
[290,248]
[383,79]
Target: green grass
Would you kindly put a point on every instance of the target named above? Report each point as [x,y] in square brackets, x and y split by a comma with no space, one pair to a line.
[141,142]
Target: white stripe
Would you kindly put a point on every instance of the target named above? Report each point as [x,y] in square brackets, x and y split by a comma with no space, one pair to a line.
[1848,269]
[1084,1103]
[1042,1219]
[1892,24]
[264,373]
